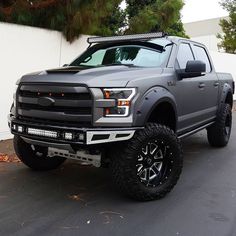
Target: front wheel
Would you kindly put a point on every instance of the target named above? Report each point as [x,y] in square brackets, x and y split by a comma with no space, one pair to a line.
[148,166]
[219,133]
[35,157]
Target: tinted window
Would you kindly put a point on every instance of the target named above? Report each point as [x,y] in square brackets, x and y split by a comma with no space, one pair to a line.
[201,54]
[134,55]
[184,55]
[94,59]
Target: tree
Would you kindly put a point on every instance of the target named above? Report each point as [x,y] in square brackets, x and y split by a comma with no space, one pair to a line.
[72,17]
[100,17]
[155,15]
[228,39]
[95,17]
[42,13]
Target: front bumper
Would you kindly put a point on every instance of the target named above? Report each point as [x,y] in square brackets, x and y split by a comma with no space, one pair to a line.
[69,135]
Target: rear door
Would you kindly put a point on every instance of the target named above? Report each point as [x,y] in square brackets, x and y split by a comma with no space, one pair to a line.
[209,81]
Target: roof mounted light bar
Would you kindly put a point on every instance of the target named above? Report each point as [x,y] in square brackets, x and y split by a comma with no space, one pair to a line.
[126,37]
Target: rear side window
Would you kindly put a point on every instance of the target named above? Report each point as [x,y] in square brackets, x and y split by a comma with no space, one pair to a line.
[201,55]
[184,55]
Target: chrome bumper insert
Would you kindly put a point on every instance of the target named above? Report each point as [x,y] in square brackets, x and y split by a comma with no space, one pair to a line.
[96,137]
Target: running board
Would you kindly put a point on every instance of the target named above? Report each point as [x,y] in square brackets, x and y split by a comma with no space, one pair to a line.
[81,156]
[195,130]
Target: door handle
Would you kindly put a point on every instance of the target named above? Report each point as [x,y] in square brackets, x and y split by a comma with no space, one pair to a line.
[216,84]
[201,85]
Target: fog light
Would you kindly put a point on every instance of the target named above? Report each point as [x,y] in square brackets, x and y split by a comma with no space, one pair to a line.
[81,137]
[68,136]
[20,129]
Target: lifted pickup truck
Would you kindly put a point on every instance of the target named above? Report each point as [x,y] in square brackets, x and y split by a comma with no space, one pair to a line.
[124,103]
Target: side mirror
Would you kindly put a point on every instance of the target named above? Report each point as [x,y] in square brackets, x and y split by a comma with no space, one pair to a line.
[65,65]
[193,69]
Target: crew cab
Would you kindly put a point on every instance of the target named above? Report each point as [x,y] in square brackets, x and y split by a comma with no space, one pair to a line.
[125,103]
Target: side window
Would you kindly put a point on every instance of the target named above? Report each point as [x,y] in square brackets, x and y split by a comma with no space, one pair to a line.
[184,55]
[201,55]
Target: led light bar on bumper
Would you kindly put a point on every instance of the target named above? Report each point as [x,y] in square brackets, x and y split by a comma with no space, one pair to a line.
[43,133]
[123,99]
[54,133]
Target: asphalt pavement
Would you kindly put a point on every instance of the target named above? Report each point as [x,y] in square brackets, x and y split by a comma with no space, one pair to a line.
[80,200]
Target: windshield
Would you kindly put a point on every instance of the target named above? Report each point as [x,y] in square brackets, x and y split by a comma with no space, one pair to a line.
[130,55]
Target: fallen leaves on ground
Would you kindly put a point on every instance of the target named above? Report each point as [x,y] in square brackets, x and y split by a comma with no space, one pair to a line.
[82,198]
[108,215]
[9,158]
[76,197]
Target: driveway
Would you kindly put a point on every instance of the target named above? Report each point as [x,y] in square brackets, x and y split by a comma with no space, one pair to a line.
[80,200]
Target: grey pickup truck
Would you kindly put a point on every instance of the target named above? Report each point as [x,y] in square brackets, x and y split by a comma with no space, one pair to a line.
[125,103]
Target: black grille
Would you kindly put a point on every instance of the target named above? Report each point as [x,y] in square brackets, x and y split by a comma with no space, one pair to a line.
[70,104]
[85,96]
[66,110]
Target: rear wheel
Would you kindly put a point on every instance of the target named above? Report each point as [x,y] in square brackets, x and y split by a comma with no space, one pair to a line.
[219,133]
[148,166]
[35,157]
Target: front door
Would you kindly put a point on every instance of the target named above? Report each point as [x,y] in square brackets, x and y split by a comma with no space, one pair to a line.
[196,97]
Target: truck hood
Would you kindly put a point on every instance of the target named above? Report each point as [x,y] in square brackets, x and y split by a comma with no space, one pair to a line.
[110,76]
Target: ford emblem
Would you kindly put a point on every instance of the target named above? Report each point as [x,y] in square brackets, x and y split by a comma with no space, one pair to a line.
[46,101]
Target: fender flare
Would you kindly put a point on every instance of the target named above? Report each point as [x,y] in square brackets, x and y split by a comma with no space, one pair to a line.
[150,100]
[225,91]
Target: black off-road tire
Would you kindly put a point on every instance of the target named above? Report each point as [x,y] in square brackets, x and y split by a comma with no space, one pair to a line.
[219,133]
[125,164]
[35,157]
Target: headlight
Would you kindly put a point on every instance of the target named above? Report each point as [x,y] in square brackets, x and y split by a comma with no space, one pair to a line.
[123,101]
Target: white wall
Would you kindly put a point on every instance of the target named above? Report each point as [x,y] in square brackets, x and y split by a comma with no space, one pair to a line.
[204,27]
[225,62]
[26,49]
[211,41]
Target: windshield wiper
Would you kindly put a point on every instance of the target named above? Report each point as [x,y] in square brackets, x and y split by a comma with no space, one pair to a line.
[119,64]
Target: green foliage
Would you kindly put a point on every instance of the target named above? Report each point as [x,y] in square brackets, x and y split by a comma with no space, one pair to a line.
[72,17]
[95,17]
[155,15]
[101,17]
[135,6]
[45,14]
[228,39]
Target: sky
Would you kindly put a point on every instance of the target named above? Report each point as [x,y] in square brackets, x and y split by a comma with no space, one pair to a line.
[195,10]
